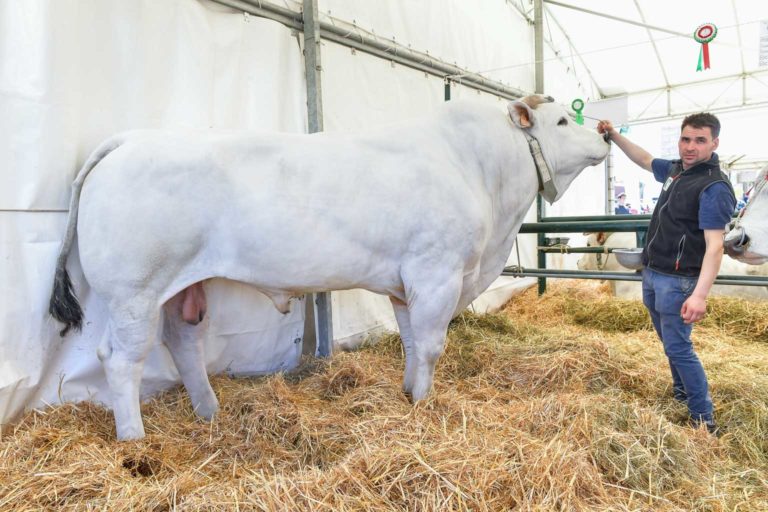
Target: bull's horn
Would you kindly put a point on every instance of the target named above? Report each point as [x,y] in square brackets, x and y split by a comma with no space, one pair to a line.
[536,99]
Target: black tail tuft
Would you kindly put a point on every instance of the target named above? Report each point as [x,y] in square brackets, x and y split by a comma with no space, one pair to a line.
[64,305]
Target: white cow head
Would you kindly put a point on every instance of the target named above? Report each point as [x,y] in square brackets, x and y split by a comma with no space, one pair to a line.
[747,237]
[567,147]
[591,260]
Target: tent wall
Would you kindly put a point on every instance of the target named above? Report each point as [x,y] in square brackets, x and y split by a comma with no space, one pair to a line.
[73,72]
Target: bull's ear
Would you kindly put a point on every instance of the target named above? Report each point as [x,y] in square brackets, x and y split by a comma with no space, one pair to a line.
[601,237]
[521,114]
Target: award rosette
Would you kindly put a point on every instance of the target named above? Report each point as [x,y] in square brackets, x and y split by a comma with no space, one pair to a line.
[704,34]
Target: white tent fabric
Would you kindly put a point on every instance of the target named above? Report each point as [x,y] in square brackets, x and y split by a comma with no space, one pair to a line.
[73,72]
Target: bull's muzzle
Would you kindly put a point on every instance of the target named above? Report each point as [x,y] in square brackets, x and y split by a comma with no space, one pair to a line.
[736,242]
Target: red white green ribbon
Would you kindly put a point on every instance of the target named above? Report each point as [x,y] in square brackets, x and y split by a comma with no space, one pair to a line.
[704,34]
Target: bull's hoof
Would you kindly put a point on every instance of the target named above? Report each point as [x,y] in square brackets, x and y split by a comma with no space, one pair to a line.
[130,433]
[207,411]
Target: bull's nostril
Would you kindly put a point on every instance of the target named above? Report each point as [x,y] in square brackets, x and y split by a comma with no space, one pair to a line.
[736,242]
[744,240]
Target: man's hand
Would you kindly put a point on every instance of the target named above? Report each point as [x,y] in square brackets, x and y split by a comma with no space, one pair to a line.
[694,309]
[635,153]
[606,126]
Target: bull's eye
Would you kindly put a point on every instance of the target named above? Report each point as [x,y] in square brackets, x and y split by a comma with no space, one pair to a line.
[562,122]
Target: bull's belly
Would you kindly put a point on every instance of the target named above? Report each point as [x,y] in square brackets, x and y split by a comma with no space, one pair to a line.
[151,265]
[296,277]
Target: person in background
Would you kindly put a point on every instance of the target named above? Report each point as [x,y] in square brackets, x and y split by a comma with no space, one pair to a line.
[741,203]
[684,248]
[621,208]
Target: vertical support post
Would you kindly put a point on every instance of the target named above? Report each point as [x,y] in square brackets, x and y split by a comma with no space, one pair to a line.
[447,89]
[541,256]
[609,186]
[321,330]
[538,50]
[538,45]
[312,66]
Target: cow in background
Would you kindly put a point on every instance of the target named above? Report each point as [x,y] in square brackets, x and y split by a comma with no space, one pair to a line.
[424,212]
[633,289]
[608,262]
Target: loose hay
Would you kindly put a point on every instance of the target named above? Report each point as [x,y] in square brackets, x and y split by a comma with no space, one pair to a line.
[557,403]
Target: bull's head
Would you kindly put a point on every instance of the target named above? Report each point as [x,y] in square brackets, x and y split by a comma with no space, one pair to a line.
[567,146]
[747,237]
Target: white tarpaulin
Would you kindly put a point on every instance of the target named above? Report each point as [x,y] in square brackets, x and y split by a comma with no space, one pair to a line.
[73,72]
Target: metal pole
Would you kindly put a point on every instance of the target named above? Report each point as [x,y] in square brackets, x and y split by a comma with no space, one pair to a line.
[320,302]
[312,67]
[607,218]
[609,186]
[619,226]
[538,45]
[623,276]
[616,18]
[538,51]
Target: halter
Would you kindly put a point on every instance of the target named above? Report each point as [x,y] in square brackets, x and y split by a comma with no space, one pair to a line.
[547,186]
[599,255]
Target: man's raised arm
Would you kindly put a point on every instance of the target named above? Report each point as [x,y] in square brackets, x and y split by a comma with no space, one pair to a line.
[634,152]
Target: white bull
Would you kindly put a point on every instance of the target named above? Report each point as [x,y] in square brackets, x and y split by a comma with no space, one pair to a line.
[425,213]
[634,289]
[747,238]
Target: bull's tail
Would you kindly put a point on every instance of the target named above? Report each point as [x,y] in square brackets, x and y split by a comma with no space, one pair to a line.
[64,305]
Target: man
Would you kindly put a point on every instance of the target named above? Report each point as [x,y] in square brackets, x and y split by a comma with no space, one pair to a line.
[621,208]
[684,248]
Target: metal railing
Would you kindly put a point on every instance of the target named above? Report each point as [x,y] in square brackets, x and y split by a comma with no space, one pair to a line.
[593,223]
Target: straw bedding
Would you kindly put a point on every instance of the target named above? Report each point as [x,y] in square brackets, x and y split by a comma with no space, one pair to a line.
[556,403]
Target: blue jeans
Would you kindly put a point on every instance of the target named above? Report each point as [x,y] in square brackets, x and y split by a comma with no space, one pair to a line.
[664,296]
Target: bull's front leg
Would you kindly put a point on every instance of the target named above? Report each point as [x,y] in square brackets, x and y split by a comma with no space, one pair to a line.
[431,304]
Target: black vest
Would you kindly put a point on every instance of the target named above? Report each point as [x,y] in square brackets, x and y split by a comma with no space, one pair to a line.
[675,245]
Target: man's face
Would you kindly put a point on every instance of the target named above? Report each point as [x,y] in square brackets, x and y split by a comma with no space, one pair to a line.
[696,145]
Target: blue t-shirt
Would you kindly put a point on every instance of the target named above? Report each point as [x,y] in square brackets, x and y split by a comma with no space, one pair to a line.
[717,203]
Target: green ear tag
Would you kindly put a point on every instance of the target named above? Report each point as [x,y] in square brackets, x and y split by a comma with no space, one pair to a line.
[578,105]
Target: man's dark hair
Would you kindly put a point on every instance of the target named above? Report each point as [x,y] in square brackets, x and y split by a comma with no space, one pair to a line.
[701,120]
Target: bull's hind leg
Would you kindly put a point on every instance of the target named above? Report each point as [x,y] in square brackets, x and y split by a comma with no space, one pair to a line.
[126,344]
[406,335]
[185,343]
[432,300]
